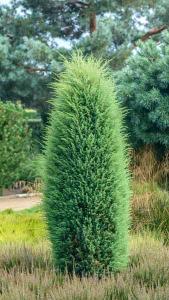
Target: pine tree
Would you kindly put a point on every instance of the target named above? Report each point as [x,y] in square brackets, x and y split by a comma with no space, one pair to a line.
[34,33]
[143,87]
[86,183]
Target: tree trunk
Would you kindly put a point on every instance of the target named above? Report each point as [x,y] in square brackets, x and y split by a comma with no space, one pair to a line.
[1,191]
[92,22]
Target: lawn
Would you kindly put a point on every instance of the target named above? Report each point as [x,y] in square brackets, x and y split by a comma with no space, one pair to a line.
[27,272]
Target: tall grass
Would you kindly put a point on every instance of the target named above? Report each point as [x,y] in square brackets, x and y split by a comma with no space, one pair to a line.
[150,205]
[147,167]
[150,208]
[27,272]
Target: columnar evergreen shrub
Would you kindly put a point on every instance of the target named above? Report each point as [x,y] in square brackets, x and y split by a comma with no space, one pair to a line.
[14,142]
[86,184]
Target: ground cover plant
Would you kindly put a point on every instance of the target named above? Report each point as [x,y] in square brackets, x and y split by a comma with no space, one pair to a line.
[86,182]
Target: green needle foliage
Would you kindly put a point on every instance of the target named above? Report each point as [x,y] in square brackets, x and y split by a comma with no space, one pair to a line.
[143,87]
[86,183]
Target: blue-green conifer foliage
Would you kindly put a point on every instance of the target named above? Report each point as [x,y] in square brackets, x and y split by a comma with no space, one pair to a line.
[143,88]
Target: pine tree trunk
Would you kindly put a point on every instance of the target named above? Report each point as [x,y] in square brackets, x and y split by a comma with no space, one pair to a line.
[92,22]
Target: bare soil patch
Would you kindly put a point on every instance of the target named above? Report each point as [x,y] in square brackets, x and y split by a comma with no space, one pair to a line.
[19,202]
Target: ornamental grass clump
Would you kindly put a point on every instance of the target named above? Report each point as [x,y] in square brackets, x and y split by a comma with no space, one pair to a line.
[86,182]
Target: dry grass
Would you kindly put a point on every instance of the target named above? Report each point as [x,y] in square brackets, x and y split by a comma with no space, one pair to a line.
[150,208]
[147,168]
[26,186]
[27,273]
[150,203]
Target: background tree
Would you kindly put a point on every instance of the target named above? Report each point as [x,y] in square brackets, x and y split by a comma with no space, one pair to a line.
[83,21]
[26,60]
[143,87]
[32,33]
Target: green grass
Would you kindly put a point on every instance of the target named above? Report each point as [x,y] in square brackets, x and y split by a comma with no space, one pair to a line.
[26,226]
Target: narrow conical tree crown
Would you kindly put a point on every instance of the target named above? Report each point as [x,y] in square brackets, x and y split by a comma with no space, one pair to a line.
[86,184]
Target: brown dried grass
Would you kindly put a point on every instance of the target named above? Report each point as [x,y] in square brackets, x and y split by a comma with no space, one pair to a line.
[147,167]
[27,273]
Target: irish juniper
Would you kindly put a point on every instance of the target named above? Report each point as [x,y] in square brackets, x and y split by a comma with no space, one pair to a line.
[86,184]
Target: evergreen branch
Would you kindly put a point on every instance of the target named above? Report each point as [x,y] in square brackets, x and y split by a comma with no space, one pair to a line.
[76,3]
[152,32]
[81,3]
[31,69]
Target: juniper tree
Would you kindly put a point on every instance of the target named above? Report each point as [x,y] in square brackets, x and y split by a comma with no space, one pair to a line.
[86,184]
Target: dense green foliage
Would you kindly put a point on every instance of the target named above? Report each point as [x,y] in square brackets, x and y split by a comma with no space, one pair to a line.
[35,124]
[86,188]
[34,34]
[26,59]
[14,142]
[143,88]
[159,14]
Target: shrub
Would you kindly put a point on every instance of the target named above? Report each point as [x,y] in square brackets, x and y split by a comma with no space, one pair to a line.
[143,88]
[36,126]
[14,141]
[86,185]
[31,171]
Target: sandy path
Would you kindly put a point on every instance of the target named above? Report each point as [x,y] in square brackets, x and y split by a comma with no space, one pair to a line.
[19,202]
